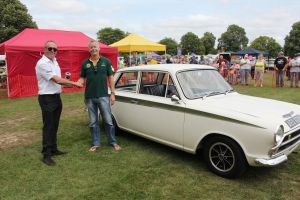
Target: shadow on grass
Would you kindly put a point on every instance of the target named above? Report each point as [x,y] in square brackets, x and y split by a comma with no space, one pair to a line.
[252,176]
[157,148]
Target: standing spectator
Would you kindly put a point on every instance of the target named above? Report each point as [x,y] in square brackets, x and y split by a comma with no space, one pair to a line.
[288,75]
[193,60]
[168,61]
[259,69]
[202,61]
[49,79]
[223,69]
[233,74]
[280,65]
[252,63]
[153,61]
[97,71]
[214,63]
[295,70]
[245,69]
[223,63]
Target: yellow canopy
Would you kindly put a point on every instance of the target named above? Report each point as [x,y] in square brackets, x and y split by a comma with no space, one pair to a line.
[134,42]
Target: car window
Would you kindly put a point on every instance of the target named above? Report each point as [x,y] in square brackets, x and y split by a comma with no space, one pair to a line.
[127,82]
[149,78]
[157,84]
[171,88]
[151,84]
[201,83]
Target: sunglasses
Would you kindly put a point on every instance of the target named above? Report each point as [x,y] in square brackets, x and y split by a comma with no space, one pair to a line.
[52,49]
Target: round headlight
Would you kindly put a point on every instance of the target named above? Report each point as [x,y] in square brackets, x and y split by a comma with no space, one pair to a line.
[279,134]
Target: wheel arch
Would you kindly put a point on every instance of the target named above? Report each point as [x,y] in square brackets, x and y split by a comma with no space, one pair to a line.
[205,139]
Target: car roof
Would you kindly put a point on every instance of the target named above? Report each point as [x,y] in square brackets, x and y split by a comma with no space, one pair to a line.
[166,67]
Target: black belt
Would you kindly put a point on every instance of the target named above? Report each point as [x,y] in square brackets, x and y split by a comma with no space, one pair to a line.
[49,94]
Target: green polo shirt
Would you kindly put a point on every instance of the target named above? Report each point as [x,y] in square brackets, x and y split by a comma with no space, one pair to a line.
[96,77]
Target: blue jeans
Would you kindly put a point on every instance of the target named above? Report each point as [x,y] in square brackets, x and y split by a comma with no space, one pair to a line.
[279,78]
[103,104]
[244,76]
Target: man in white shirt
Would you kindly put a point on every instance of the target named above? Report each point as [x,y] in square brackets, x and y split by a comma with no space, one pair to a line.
[245,70]
[49,88]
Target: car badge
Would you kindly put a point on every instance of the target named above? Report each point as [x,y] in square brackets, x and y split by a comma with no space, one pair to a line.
[288,115]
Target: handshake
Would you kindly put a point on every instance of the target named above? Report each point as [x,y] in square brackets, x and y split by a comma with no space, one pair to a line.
[70,83]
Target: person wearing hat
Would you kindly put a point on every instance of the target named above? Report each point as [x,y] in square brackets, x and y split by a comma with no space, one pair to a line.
[280,65]
[295,70]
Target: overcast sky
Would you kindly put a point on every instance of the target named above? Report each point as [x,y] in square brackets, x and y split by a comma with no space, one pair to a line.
[157,19]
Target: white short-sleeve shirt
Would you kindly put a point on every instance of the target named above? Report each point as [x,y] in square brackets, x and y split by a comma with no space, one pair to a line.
[45,70]
[247,64]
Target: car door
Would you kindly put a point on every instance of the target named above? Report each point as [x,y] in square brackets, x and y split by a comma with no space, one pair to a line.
[125,110]
[159,118]
[149,112]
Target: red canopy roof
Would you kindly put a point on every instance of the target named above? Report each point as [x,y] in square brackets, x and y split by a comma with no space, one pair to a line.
[25,49]
[34,40]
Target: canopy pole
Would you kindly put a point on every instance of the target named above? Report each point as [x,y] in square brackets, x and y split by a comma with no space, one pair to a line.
[129,58]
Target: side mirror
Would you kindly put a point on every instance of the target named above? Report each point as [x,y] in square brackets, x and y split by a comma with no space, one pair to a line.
[175,98]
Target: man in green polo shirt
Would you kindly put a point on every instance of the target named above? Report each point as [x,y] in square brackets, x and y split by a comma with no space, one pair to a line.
[95,71]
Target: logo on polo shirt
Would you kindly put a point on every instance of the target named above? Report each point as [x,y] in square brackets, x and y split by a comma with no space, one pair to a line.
[88,65]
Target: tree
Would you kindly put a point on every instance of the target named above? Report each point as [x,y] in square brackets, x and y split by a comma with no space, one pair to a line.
[191,43]
[265,43]
[14,18]
[171,45]
[208,41]
[292,42]
[234,39]
[109,35]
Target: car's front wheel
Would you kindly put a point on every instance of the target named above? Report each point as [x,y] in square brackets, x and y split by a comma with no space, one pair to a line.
[224,157]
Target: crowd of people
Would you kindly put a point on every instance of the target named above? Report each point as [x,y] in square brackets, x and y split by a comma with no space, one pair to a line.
[240,71]
[245,68]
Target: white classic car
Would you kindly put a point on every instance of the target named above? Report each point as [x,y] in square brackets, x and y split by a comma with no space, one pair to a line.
[192,107]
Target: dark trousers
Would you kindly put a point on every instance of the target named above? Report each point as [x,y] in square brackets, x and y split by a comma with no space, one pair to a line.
[51,107]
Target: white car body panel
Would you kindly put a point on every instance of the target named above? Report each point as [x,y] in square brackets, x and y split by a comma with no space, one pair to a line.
[249,121]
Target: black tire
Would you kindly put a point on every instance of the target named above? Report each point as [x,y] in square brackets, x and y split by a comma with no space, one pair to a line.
[224,157]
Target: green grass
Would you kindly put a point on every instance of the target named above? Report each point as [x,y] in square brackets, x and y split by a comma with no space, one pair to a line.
[141,170]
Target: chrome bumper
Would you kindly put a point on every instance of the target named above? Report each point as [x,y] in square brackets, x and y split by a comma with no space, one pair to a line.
[272,161]
[279,159]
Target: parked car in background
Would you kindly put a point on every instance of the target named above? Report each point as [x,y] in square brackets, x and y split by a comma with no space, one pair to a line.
[2,61]
[270,63]
[192,108]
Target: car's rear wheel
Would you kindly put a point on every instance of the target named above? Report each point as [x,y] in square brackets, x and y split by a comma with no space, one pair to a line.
[224,157]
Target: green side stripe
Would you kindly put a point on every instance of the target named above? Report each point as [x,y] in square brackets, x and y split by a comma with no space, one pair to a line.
[177,108]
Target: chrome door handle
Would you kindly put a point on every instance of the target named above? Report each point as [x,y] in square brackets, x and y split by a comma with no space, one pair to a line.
[134,101]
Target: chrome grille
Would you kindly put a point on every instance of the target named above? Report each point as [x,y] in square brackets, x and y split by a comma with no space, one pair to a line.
[291,136]
[289,140]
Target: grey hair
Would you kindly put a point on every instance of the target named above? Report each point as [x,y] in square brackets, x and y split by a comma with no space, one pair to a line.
[48,41]
[93,41]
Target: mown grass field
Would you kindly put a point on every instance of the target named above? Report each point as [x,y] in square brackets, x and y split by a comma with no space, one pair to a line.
[141,170]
